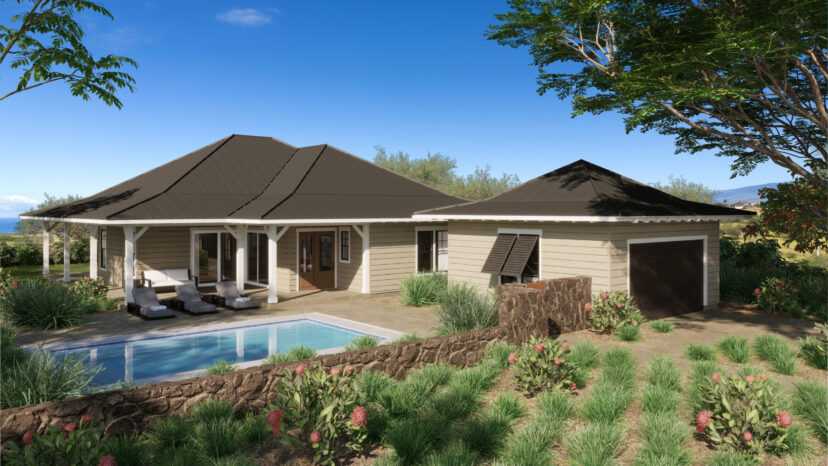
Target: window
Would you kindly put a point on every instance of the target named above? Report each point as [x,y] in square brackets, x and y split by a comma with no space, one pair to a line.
[432,250]
[515,257]
[102,249]
[345,245]
[442,250]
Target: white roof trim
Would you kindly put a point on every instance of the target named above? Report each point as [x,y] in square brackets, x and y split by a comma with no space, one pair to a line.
[225,221]
[578,218]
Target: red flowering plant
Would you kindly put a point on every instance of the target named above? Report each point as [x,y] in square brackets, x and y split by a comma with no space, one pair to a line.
[92,287]
[74,443]
[741,412]
[5,281]
[318,410]
[777,295]
[542,364]
[610,310]
[796,211]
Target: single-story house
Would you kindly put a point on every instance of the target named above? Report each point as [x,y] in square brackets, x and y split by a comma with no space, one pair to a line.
[262,212]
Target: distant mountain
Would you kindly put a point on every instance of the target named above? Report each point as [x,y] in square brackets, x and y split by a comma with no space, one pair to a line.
[747,194]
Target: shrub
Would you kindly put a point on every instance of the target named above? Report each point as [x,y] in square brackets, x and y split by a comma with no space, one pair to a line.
[42,377]
[7,255]
[221,366]
[815,349]
[423,289]
[734,348]
[254,429]
[662,326]
[75,443]
[168,434]
[776,352]
[45,305]
[28,253]
[543,364]
[320,411]
[128,450]
[628,332]
[608,311]
[737,283]
[217,438]
[810,400]
[464,308]
[211,409]
[412,438]
[362,342]
[696,352]
[90,287]
[776,295]
[741,412]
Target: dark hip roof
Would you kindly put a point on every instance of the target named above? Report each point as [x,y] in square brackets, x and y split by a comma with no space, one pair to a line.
[258,178]
[583,189]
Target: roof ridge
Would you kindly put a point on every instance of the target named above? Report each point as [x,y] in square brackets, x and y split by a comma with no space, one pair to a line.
[304,177]
[210,154]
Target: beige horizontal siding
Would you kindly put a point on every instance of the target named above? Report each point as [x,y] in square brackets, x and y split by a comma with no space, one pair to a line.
[392,255]
[163,248]
[349,274]
[114,273]
[286,261]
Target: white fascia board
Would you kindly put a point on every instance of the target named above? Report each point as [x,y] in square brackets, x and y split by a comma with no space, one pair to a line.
[224,221]
[578,218]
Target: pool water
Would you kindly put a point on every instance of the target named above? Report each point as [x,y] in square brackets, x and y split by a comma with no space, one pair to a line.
[164,358]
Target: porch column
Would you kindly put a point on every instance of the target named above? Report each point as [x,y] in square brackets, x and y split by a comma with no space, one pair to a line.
[241,257]
[272,244]
[366,259]
[46,242]
[129,262]
[66,254]
[93,252]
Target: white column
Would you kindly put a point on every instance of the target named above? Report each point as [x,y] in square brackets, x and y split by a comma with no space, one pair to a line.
[93,252]
[366,258]
[241,257]
[129,262]
[66,255]
[272,243]
[46,242]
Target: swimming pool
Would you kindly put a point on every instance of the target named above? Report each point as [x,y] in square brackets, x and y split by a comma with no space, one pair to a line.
[160,356]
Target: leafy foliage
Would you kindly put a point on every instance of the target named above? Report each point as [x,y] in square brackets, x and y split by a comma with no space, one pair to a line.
[687,190]
[777,295]
[796,211]
[543,364]
[423,289]
[610,310]
[75,443]
[45,305]
[319,411]
[63,57]
[39,377]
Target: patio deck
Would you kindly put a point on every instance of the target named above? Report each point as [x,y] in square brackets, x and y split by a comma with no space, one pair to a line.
[379,310]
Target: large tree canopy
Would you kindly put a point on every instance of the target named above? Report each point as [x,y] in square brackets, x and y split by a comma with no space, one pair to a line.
[45,43]
[744,78]
[684,189]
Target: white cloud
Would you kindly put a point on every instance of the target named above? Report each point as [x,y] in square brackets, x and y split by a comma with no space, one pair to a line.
[13,205]
[244,17]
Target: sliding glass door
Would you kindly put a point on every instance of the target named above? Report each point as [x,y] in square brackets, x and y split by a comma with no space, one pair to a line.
[257,258]
[207,257]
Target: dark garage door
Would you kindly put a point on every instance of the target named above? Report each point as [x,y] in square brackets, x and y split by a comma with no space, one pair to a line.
[667,278]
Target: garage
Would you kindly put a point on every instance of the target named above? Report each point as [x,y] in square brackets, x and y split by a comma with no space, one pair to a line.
[667,277]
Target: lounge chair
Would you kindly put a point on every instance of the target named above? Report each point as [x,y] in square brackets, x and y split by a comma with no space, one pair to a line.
[190,302]
[230,298]
[168,279]
[146,305]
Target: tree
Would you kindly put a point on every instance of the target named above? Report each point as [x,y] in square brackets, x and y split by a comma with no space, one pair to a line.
[688,190]
[745,78]
[795,210]
[31,227]
[47,47]
[438,171]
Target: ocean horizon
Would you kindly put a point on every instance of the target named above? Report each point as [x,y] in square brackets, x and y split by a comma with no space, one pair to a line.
[7,224]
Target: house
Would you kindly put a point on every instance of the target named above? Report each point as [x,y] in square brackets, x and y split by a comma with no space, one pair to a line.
[294,219]
[582,219]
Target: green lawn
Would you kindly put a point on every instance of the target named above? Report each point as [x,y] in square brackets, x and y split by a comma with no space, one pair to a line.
[23,272]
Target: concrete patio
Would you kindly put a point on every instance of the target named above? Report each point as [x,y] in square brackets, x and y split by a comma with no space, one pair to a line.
[379,310]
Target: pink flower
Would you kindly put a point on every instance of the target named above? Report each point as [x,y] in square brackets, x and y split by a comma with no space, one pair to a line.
[28,437]
[619,305]
[274,418]
[762,376]
[563,344]
[700,428]
[715,377]
[276,431]
[300,369]
[107,460]
[780,282]
[15,282]
[70,289]
[359,416]
[703,418]
[70,427]
[635,323]
[605,296]
[335,370]
[793,290]
[540,346]
[784,419]
[750,379]
[315,437]
[512,358]
[757,292]
[86,419]
[558,362]
[572,386]
[587,306]
[349,368]
[748,436]
[88,279]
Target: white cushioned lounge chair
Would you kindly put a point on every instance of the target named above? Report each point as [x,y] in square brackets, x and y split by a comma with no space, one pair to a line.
[231,298]
[146,305]
[191,302]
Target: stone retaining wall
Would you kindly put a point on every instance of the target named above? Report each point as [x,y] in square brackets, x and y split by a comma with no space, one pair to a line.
[524,311]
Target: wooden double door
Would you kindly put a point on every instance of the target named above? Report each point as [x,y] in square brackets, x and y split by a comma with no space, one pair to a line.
[316,260]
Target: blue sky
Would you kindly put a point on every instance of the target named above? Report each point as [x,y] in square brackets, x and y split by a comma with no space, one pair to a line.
[410,76]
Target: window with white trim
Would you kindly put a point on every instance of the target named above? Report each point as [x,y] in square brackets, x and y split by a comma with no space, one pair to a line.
[345,245]
[102,249]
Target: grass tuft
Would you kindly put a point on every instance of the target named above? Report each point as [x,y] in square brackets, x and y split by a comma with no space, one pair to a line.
[662,372]
[484,435]
[456,454]
[735,348]
[595,444]
[128,450]
[294,354]
[618,368]
[606,403]
[696,352]
[810,400]
[628,333]
[499,352]
[812,351]
[363,342]
[585,355]
[211,409]
[168,434]
[656,399]
[776,352]
[508,406]
[662,437]
[254,429]
[408,337]
[465,308]
[411,438]
[423,289]
[217,437]
[662,326]
[220,367]
[730,457]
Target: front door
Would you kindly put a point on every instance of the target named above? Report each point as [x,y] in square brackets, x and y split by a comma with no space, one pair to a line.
[316,265]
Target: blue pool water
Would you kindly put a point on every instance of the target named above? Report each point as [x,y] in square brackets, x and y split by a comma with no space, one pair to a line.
[164,357]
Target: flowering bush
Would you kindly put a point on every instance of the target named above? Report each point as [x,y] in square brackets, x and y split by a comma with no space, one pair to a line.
[90,287]
[741,412]
[542,364]
[317,410]
[778,295]
[75,443]
[608,311]
[5,281]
